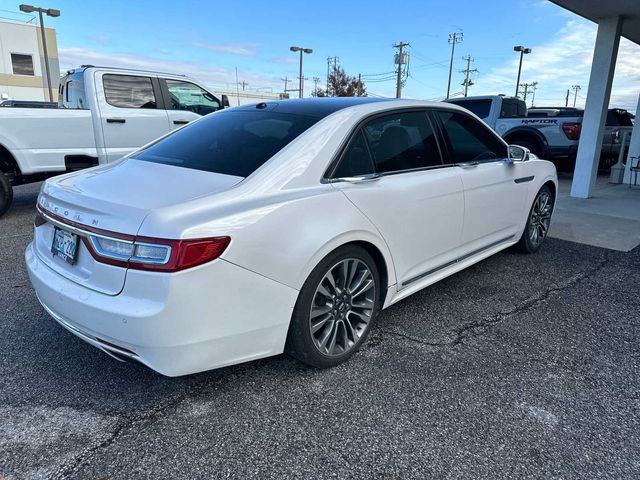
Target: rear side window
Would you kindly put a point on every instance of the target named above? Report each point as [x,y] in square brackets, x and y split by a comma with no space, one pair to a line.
[402,141]
[129,91]
[481,108]
[356,160]
[512,109]
[469,140]
[618,118]
[232,143]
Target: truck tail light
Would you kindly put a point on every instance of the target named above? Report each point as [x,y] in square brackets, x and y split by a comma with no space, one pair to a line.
[572,130]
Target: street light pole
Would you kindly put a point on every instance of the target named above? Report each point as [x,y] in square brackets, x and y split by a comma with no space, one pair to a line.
[52,13]
[522,50]
[301,50]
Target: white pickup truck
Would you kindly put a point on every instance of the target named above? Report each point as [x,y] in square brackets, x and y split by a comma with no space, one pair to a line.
[102,115]
[551,133]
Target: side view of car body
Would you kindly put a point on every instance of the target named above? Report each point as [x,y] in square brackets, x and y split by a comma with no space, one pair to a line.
[281,226]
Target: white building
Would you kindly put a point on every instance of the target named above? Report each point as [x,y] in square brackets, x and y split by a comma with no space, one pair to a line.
[22,67]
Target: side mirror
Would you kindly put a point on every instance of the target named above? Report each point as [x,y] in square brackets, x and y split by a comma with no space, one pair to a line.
[225,101]
[517,153]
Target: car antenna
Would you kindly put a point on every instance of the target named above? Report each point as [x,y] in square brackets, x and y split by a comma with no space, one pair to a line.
[262,105]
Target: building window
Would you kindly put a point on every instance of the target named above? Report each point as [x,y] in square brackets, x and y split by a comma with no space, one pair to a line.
[22,64]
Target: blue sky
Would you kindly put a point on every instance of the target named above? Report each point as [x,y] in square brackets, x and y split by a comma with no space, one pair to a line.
[208,40]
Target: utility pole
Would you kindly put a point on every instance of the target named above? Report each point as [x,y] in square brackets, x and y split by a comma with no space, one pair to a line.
[243,84]
[526,90]
[453,39]
[331,60]
[533,98]
[467,71]
[399,60]
[286,83]
[575,89]
[566,99]
[237,89]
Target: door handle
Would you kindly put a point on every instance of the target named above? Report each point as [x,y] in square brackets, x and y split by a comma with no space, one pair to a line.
[468,164]
[180,122]
[116,120]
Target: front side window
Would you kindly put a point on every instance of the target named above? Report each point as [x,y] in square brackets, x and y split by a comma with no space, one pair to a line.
[469,140]
[22,64]
[187,96]
[402,141]
[230,142]
[129,91]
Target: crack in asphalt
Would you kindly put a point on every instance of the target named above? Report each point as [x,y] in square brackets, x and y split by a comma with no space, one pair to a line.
[470,330]
[477,328]
[126,424]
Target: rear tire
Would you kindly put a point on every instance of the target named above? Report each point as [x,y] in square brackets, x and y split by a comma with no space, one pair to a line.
[336,308]
[6,194]
[538,222]
[530,145]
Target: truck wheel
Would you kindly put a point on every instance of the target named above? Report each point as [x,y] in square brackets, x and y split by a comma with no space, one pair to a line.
[529,145]
[6,194]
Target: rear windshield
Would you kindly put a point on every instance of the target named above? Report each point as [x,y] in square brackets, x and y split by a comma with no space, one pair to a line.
[232,142]
[480,107]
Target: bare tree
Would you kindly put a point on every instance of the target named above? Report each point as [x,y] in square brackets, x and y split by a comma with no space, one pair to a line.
[342,85]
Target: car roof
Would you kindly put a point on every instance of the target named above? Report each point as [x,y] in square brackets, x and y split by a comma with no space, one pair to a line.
[313,107]
[323,107]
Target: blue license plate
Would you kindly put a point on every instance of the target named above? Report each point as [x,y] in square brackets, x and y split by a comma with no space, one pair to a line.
[65,245]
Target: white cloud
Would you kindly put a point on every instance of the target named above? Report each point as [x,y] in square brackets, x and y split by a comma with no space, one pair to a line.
[220,77]
[563,61]
[246,50]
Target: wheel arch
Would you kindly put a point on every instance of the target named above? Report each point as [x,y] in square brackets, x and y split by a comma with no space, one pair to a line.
[8,163]
[368,242]
[527,133]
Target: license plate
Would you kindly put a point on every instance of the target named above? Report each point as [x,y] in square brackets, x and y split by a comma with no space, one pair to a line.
[65,245]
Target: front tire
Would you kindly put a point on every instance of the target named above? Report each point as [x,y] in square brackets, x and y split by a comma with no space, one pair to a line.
[6,194]
[335,309]
[538,222]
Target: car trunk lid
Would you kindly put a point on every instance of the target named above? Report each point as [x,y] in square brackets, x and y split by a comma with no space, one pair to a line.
[114,198]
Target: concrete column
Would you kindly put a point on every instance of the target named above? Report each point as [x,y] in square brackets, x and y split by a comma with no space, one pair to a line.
[634,146]
[595,112]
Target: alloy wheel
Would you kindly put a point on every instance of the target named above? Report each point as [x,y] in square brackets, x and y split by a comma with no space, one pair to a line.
[540,218]
[342,307]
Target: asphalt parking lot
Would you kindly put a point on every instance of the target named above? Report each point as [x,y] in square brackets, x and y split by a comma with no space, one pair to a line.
[519,367]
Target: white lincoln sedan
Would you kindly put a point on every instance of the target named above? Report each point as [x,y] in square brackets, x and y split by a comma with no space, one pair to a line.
[279,227]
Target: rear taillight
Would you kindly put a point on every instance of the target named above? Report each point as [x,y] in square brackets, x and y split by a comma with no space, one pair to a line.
[571,130]
[142,253]
[156,254]
[39,220]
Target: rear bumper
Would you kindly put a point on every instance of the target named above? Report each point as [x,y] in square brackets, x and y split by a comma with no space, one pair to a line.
[207,317]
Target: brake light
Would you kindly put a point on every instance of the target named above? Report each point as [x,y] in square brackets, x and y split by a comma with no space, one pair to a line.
[39,220]
[143,253]
[572,130]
